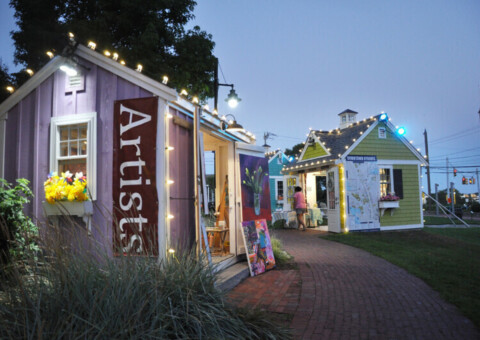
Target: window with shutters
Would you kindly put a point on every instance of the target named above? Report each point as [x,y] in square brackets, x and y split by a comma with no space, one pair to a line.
[386,181]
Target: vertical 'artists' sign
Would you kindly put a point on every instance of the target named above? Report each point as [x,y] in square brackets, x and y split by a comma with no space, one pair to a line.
[135,199]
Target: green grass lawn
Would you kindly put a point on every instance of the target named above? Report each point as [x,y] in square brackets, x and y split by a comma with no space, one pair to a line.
[446,259]
[435,220]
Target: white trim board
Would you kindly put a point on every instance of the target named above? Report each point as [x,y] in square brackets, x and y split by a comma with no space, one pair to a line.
[3,125]
[398,227]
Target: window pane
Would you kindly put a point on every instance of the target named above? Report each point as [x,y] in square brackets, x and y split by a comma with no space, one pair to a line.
[73,148]
[280,189]
[73,132]
[64,133]
[73,165]
[64,149]
[83,131]
[83,147]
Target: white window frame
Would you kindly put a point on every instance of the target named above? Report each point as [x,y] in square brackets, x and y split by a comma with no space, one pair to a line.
[91,120]
[382,133]
[381,166]
[276,189]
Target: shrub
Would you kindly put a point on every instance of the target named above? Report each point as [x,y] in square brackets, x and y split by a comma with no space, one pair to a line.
[475,207]
[281,256]
[17,231]
[125,298]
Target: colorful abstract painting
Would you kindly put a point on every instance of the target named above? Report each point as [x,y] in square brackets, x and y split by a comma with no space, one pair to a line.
[255,188]
[258,246]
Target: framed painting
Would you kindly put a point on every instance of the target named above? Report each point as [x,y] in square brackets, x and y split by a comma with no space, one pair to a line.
[258,246]
[255,188]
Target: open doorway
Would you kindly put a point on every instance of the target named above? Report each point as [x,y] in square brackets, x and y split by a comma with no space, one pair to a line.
[217,221]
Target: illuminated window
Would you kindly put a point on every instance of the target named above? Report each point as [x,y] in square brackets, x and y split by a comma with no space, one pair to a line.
[73,146]
[386,181]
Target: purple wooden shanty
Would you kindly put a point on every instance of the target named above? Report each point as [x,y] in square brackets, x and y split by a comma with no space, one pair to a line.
[25,119]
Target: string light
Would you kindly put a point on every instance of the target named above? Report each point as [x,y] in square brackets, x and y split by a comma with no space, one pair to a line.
[164,80]
[122,62]
[171,251]
[10,89]
[50,54]
[170,181]
[169,148]
[71,35]
[115,56]
[195,100]
[170,216]
[169,115]
[107,53]
[215,113]
[183,92]
[92,45]
[206,107]
[139,68]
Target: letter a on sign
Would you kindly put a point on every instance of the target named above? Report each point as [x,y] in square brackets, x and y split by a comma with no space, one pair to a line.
[134,183]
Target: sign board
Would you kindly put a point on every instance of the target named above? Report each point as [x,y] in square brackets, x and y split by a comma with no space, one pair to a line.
[362,193]
[135,199]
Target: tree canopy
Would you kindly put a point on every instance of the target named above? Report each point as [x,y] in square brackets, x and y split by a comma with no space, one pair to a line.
[295,150]
[149,32]
[5,80]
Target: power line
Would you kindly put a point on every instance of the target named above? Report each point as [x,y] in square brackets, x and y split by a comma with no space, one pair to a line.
[456,135]
[448,154]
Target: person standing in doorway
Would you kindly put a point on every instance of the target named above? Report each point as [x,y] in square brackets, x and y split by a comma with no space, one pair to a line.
[300,207]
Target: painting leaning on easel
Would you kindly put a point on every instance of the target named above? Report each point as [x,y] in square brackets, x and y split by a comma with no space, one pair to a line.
[258,246]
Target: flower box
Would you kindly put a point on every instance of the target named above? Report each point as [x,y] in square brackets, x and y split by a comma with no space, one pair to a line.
[68,208]
[384,205]
[388,204]
[82,209]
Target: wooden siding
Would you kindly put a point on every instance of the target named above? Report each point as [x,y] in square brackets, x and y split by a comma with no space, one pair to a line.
[314,151]
[180,165]
[389,148]
[27,136]
[409,211]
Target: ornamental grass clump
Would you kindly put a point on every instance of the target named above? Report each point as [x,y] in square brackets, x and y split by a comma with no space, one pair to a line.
[84,296]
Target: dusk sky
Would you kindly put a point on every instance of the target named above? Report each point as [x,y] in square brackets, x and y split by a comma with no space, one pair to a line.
[297,64]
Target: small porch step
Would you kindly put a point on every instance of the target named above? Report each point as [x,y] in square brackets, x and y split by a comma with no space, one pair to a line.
[230,277]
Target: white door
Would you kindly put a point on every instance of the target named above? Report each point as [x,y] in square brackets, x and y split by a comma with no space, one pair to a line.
[333,199]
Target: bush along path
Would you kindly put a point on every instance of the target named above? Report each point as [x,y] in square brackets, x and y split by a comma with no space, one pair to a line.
[340,292]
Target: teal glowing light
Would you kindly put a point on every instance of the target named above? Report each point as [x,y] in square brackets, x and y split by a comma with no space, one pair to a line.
[383,117]
[401,131]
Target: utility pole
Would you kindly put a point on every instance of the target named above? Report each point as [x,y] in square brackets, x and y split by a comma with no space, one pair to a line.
[428,167]
[478,185]
[448,189]
[452,188]
[436,199]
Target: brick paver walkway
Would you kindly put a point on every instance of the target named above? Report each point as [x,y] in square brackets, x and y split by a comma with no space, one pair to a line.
[341,292]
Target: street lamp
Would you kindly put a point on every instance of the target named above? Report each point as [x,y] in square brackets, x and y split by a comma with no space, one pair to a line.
[233,126]
[232,98]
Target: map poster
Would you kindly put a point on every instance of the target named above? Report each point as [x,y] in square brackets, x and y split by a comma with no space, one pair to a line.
[363,193]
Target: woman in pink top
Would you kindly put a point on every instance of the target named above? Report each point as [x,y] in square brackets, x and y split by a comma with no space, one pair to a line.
[300,206]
